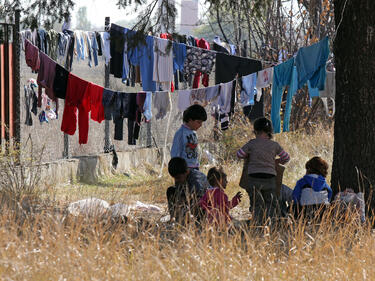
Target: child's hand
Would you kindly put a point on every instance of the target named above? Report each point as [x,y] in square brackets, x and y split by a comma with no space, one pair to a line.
[239,195]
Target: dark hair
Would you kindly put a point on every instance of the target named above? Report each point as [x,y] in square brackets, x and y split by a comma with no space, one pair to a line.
[177,166]
[317,165]
[194,112]
[263,124]
[215,175]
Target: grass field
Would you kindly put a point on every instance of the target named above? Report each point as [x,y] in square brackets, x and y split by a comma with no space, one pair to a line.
[49,245]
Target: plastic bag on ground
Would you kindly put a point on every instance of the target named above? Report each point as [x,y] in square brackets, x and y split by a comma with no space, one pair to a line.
[92,207]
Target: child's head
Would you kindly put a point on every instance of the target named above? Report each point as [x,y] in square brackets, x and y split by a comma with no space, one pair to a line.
[317,165]
[263,125]
[194,116]
[217,178]
[178,169]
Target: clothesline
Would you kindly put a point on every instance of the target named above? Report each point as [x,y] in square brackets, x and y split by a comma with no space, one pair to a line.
[276,89]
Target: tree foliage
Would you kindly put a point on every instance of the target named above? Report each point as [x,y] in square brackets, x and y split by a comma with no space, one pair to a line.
[83,22]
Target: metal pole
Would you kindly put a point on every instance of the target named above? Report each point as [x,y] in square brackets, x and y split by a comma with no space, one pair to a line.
[16,79]
[107,140]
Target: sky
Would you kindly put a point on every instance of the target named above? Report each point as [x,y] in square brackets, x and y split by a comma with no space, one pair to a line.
[97,10]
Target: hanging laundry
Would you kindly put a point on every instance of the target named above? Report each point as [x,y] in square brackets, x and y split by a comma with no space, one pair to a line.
[311,63]
[284,74]
[117,50]
[202,43]
[106,46]
[163,62]
[147,111]
[198,96]
[70,50]
[99,42]
[179,55]
[134,133]
[255,111]
[63,40]
[32,55]
[143,55]
[87,44]
[28,104]
[289,99]
[46,77]
[264,79]
[93,102]
[60,82]
[212,93]
[109,103]
[53,43]
[227,67]
[94,47]
[161,104]
[330,86]
[75,93]
[126,66]
[224,100]
[216,46]
[183,99]
[42,35]
[125,107]
[313,92]
[248,89]
[198,59]
[233,49]
[80,47]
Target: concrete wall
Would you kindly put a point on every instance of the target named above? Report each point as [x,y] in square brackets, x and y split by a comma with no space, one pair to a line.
[91,168]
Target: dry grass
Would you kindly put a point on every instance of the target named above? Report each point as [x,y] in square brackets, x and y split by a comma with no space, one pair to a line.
[49,246]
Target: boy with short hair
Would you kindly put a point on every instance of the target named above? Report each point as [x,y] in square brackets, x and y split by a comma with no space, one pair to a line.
[190,186]
[185,141]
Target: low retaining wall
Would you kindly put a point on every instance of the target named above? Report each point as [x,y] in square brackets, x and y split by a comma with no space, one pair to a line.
[89,169]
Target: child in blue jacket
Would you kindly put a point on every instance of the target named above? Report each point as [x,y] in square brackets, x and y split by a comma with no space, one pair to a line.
[315,178]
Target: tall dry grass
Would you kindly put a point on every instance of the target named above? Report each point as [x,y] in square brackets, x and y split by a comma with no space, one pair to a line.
[46,247]
[46,244]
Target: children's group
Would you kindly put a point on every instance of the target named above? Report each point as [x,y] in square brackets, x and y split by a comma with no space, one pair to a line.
[202,198]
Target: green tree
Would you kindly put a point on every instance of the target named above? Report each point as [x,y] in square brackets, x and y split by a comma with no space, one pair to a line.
[83,22]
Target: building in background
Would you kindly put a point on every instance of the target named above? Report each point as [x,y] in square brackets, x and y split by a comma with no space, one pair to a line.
[189,16]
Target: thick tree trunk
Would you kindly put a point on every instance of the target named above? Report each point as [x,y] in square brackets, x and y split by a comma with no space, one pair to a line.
[354,145]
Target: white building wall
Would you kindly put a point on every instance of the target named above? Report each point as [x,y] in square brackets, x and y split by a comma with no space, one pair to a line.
[189,16]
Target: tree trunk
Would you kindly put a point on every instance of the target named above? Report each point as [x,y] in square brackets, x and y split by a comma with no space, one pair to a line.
[354,147]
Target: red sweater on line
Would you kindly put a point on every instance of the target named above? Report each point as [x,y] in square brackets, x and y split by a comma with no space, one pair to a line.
[84,97]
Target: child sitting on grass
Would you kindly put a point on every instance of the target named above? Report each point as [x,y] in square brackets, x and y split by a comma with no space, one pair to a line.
[190,185]
[185,141]
[312,191]
[261,154]
[215,202]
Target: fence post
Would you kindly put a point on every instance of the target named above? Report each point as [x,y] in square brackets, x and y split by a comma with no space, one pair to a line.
[107,141]
[16,79]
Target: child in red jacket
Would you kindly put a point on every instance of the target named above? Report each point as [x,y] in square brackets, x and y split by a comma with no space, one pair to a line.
[215,202]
